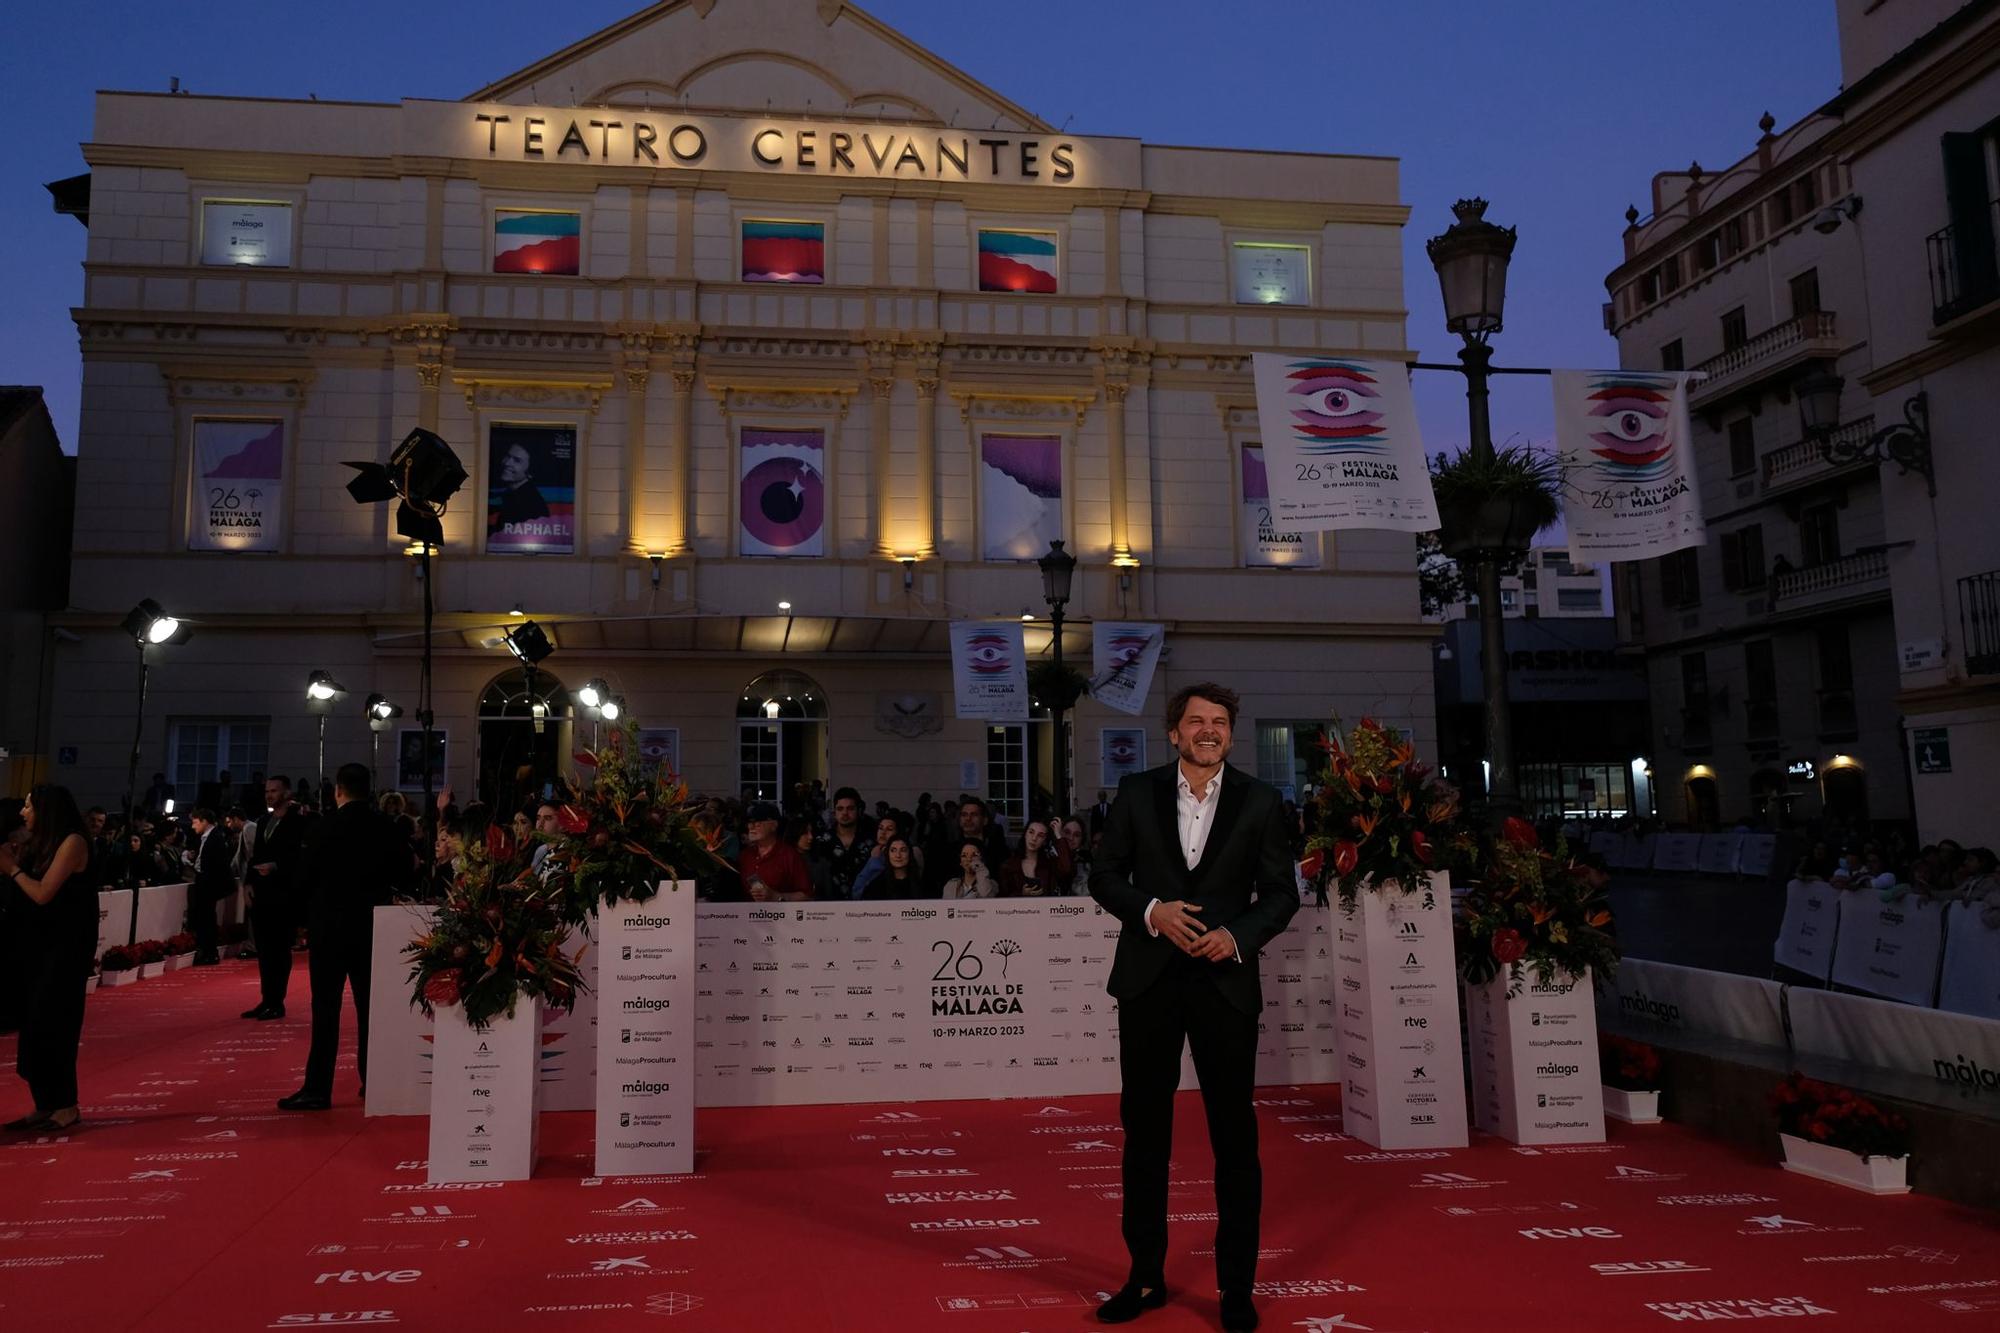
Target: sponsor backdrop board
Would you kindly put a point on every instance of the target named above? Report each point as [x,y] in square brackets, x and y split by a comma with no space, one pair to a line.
[1970,981]
[486,1101]
[1812,921]
[114,919]
[399,1036]
[1889,949]
[646,1069]
[1397,991]
[1534,1059]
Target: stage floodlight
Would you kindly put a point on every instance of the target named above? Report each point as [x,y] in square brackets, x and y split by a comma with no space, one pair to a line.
[593,693]
[527,642]
[613,708]
[149,624]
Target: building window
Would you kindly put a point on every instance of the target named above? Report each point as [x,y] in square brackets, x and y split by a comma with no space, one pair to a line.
[1270,274]
[1649,286]
[1837,716]
[1732,237]
[1509,600]
[202,749]
[1819,535]
[1708,252]
[1695,714]
[1760,677]
[1781,209]
[1805,293]
[1007,773]
[1743,558]
[1742,446]
[1288,755]
[1017,261]
[244,231]
[1670,273]
[776,250]
[1680,579]
[1735,329]
[1580,599]
[780,736]
[1671,357]
[533,240]
[1805,195]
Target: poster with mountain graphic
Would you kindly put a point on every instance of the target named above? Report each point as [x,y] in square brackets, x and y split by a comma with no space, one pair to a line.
[1020,488]
[238,497]
[527,241]
[1017,261]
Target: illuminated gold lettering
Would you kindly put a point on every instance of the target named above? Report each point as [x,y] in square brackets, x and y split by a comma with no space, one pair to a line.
[757,147]
[685,155]
[493,124]
[840,142]
[604,137]
[879,159]
[805,150]
[644,136]
[910,154]
[956,159]
[531,136]
[1059,157]
[993,147]
[1028,147]
[575,136]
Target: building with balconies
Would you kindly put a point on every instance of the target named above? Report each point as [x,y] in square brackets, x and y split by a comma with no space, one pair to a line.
[1770,651]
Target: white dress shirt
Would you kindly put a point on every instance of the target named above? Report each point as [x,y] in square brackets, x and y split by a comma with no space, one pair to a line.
[1194,818]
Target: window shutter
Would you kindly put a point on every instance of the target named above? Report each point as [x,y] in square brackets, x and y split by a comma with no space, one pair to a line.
[1968,198]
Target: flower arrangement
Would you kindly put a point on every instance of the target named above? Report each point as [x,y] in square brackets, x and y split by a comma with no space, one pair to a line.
[499,935]
[1532,908]
[1838,1117]
[1630,1065]
[1378,817]
[150,951]
[628,827]
[118,958]
[180,942]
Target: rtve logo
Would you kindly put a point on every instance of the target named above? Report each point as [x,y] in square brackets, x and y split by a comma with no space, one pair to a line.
[350,1276]
[1569,1233]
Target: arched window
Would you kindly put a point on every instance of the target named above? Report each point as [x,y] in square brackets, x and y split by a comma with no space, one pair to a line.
[780,736]
[517,761]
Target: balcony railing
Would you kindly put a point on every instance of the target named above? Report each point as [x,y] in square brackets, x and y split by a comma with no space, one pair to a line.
[1850,573]
[1782,345]
[1797,464]
[1962,281]
[1979,622]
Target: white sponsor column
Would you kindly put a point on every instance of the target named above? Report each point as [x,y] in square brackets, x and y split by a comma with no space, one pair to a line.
[1402,1084]
[1534,1059]
[486,1096]
[645,1034]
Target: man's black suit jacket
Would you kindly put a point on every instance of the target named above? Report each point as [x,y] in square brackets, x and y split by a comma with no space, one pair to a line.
[354,862]
[213,878]
[1244,880]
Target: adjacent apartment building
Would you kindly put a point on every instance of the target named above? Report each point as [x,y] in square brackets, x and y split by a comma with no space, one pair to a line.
[772,343]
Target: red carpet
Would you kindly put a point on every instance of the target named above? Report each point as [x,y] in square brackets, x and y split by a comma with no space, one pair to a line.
[188,1202]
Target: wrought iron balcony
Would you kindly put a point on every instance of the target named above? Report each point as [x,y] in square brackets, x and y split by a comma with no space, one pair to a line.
[1778,350]
[1849,576]
[1979,622]
[1802,463]
[1963,278]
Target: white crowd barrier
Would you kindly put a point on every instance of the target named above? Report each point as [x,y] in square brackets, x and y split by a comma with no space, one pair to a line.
[1969,982]
[159,911]
[1679,853]
[114,918]
[1889,949]
[1811,924]
[1672,998]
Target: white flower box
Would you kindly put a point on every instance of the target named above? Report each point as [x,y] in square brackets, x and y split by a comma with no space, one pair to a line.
[486,1095]
[177,961]
[122,977]
[1634,1108]
[153,969]
[1870,1175]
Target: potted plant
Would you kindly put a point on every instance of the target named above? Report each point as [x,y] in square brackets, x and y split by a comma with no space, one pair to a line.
[152,955]
[180,950]
[1834,1134]
[629,827]
[1631,1073]
[1379,819]
[1497,504]
[1532,909]
[118,967]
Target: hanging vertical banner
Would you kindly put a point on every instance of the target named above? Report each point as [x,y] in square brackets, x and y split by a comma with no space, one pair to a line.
[1121,752]
[989,670]
[1629,487]
[1341,444]
[239,486]
[782,501]
[660,748]
[1263,543]
[1020,495]
[1123,657]
[531,490]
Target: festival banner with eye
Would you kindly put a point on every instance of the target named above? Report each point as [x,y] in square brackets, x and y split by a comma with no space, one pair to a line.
[1341,445]
[1629,489]
[782,503]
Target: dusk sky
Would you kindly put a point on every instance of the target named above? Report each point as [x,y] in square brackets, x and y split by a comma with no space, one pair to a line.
[1558,111]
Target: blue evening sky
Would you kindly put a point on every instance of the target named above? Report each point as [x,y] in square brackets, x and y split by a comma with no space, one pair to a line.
[1558,111]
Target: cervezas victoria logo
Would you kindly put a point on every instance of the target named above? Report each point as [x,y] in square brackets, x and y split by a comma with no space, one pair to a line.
[1771,1307]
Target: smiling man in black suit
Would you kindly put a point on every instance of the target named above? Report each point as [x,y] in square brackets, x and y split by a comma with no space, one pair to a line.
[1196,862]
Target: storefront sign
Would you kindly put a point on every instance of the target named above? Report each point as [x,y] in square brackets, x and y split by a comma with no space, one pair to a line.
[238,486]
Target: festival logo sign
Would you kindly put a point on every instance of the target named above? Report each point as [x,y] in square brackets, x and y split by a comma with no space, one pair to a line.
[531,490]
[782,500]
[784,251]
[1124,657]
[239,486]
[1629,490]
[1263,543]
[529,241]
[1017,261]
[1121,753]
[1341,444]
[240,232]
[990,670]
[1020,485]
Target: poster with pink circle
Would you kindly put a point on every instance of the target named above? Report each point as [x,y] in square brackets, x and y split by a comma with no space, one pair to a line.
[781,501]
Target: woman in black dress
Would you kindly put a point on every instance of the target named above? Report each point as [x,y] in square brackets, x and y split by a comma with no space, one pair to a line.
[58,933]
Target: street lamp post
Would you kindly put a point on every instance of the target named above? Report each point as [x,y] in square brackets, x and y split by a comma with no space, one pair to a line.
[1058,569]
[1471,260]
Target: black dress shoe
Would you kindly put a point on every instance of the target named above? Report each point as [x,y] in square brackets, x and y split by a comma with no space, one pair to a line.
[1238,1314]
[305,1101]
[206,959]
[271,1011]
[1130,1301]
[29,1121]
[255,1010]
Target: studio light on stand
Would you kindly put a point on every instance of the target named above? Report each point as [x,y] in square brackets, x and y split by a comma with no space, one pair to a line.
[1058,571]
[381,713]
[421,476]
[593,695]
[531,645]
[322,693]
[150,626]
